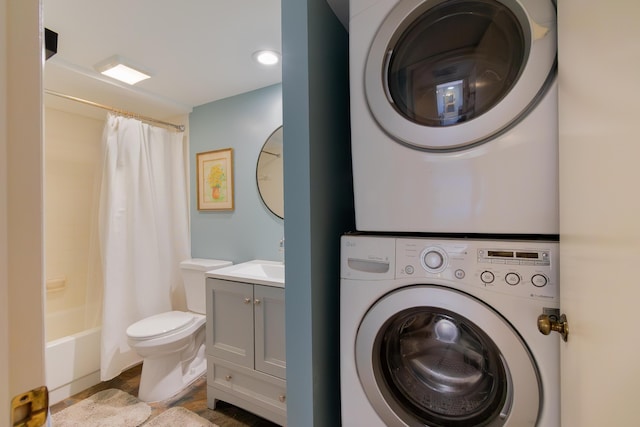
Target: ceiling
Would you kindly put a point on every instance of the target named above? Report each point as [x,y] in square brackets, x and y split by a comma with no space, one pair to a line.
[198,51]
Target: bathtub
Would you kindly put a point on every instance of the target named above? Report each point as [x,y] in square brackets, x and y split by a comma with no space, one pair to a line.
[72,362]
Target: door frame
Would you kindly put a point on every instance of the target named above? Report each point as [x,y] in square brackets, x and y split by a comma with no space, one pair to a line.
[21,202]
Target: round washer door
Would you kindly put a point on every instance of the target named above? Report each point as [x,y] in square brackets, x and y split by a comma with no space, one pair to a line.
[444,75]
[434,356]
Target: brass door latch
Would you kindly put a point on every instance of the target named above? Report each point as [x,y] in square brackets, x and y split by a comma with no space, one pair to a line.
[546,324]
[30,409]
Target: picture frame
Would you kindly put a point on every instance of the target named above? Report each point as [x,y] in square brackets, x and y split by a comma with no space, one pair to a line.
[215,180]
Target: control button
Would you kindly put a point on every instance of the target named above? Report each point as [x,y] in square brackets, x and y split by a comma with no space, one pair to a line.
[459,274]
[539,280]
[408,269]
[487,277]
[512,279]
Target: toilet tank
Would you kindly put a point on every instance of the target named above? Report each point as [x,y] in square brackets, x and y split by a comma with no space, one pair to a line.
[193,275]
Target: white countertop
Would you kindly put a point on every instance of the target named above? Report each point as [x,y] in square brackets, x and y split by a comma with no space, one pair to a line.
[260,272]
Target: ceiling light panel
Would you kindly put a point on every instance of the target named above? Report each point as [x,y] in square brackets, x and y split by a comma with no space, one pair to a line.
[121,69]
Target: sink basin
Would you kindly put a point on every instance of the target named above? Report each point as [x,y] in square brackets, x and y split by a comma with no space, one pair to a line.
[258,271]
[268,271]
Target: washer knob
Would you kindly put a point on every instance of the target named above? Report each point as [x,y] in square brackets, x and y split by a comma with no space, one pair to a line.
[433,260]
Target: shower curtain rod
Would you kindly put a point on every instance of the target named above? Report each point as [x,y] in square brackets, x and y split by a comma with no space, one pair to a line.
[115,110]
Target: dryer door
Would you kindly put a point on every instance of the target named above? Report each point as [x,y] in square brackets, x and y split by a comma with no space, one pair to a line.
[446,75]
[428,355]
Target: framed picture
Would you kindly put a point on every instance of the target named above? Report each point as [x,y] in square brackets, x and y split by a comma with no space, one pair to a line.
[215,180]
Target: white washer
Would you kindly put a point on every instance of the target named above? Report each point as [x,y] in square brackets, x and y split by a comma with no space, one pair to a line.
[454,116]
[444,332]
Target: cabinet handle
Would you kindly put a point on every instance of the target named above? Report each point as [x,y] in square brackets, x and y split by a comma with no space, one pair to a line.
[228,378]
[256,301]
[282,398]
[247,300]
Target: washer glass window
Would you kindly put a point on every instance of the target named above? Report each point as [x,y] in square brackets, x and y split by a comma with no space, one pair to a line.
[441,368]
[455,61]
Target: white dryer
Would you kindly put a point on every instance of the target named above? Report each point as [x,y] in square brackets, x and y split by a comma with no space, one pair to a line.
[444,332]
[454,116]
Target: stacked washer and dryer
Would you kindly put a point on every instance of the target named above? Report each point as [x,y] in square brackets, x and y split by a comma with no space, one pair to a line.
[455,169]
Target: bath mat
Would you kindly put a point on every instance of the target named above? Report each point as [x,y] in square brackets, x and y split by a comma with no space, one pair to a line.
[178,416]
[107,408]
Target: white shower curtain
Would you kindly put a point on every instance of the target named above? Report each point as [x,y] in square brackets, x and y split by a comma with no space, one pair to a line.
[144,230]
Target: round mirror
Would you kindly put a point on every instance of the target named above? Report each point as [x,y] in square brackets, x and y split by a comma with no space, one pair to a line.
[269,174]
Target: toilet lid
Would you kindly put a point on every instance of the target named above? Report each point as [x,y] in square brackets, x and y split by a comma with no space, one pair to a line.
[160,324]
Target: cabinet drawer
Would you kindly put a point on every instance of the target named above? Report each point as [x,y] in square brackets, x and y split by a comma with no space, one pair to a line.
[265,390]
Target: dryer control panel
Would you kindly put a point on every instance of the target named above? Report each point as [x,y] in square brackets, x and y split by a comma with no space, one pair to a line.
[528,269]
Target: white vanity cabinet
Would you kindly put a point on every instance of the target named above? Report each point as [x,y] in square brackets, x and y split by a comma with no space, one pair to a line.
[246,347]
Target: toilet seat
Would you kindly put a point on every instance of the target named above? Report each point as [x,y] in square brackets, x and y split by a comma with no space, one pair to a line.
[160,325]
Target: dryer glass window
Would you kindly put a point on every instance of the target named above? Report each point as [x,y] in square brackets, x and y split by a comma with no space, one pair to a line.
[455,61]
[440,368]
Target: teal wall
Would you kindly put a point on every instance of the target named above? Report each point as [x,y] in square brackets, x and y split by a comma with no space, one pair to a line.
[313,105]
[318,205]
[242,122]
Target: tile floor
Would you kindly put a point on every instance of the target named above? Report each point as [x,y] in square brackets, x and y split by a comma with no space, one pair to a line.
[193,398]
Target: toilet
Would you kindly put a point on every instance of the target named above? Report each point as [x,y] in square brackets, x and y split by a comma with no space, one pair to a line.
[172,344]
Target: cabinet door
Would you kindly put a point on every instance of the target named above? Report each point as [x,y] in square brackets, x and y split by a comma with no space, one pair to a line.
[270,330]
[230,321]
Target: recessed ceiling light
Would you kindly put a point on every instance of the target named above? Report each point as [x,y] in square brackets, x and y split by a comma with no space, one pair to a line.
[267,57]
[121,69]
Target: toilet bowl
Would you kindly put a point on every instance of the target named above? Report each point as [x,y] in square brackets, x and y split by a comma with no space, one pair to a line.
[172,344]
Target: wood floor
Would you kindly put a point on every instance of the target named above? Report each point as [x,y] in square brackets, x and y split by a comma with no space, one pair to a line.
[193,398]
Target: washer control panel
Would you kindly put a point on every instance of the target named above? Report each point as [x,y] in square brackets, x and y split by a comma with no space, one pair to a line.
[524,268]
